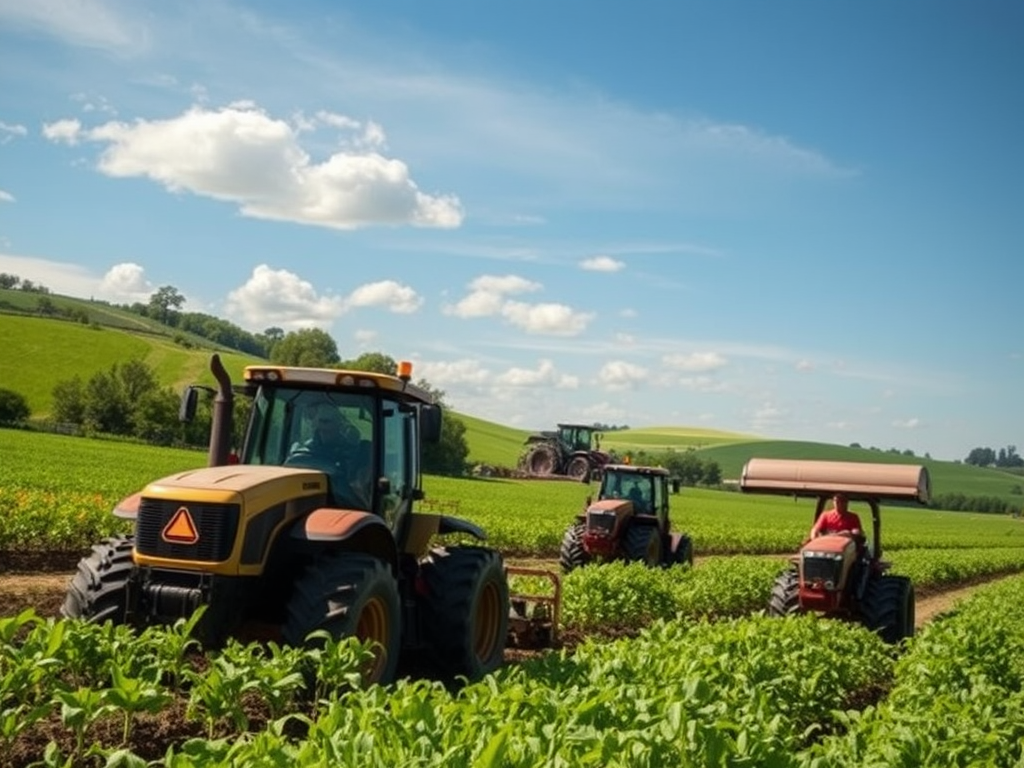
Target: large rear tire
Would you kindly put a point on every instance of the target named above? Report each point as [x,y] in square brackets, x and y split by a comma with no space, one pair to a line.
[99,589]
[466,610]
[543,459]
[785,598]
[349,595]
[572,553]
[643,544]
[888,607]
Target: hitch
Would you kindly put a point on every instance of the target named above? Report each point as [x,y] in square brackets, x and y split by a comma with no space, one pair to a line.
[533,618]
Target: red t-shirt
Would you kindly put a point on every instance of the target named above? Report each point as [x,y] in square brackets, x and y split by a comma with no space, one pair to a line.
[834,520]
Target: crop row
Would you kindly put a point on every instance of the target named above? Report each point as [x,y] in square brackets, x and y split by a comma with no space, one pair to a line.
[801,691]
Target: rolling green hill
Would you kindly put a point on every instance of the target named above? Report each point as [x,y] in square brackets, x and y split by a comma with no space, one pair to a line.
[39,351]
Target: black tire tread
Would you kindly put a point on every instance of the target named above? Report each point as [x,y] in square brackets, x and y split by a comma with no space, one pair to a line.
[99,589]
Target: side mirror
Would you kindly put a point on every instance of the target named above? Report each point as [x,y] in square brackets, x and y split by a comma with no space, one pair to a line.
[187,408]
[430,423]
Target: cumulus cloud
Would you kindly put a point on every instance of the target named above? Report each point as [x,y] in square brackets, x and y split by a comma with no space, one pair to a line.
[6,197]
[239,154]
[696,361]
[398,298]
[63,131]
[128,282]
[545,374]
[277,297]
[804,366]
[488,296]
[601,264]
[618,375]
[548,319]
[455,373]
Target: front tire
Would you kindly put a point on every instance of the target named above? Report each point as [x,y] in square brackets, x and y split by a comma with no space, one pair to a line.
[99,589]
[465,610]
[573,554]
[349,595]
[888,607]
[684,552]
[579,468]
[785,599]
[643,544]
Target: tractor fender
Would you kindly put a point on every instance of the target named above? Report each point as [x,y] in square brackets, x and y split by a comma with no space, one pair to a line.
[360,531]
[458,525]
[128,507]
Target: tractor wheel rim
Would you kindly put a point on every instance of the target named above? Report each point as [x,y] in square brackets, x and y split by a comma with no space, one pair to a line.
[486,623]
[373,626]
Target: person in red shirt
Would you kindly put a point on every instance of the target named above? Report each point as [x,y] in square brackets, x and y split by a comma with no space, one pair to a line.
[839,519]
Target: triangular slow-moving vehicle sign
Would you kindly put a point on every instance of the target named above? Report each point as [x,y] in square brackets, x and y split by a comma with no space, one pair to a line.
[181,529]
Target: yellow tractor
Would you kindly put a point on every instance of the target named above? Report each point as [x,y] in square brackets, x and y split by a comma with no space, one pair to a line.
[309,526]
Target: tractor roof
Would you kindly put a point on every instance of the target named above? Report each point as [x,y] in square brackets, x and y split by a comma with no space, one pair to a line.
[633,469]
[578,426]
[335,378]
[856,480]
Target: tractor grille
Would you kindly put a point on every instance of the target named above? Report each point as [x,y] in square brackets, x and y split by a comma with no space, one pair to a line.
[600,522]
[216,525]
[827,569]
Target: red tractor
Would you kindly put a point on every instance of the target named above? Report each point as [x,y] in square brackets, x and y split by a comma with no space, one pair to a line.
[842,575]
[573,451]
[629,521]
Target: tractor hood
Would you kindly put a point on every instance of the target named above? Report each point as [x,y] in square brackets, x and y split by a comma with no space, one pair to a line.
[252,486]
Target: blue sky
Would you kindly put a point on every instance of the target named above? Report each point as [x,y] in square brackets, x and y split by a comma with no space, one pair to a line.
[799,220]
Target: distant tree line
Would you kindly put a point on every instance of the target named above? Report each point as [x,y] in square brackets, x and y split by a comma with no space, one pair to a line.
[13,282]
[1004,458]
[685,466]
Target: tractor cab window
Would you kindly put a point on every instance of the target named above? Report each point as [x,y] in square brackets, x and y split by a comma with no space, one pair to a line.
[639,492]
[577,438]
[660,498]
[329,431]
[396,468]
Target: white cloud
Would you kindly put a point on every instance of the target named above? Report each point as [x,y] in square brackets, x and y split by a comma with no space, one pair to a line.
[602,264]
[6,197]
[547,319]
[8,131]
[400,299]
[241,155]
[281,298]
[454,373]
[696,361]
[804,366]
[618,375]
[63,131]
[88,23]
[127,282]
[912,423]
[364,337]
[544,375]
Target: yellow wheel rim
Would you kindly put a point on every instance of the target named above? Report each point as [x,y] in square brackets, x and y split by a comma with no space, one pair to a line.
[374,626]
[487,622]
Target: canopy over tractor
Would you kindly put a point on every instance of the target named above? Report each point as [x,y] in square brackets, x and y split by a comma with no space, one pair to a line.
[628,521]
[574,451]
[309,526]
[842,574]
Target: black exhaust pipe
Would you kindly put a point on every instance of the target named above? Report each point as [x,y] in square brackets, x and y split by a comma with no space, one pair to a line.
[221,427]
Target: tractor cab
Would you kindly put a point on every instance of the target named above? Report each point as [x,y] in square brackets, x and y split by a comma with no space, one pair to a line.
[579,437]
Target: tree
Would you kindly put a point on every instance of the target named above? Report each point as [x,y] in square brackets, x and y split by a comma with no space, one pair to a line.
[13,407]
[309,347]
[69,401]
[376,362]
[9,281]
[447,457]
[163,303]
